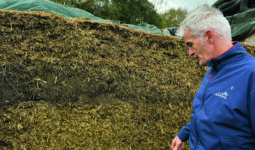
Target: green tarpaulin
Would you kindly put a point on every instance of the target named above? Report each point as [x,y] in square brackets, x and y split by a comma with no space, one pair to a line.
[51,7]
[242,20]
[242,24]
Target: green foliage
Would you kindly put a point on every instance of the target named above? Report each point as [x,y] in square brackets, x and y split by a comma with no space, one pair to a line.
[124,11]
[69,3]
[129,11]
[173,18]
[100,8]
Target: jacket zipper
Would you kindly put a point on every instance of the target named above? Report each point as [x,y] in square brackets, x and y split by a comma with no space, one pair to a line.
[200,109]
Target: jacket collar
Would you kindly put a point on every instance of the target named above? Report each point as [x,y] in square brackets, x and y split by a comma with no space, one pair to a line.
[227,57]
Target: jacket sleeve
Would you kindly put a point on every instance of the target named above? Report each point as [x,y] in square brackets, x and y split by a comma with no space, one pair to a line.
[184,133]
[251,103]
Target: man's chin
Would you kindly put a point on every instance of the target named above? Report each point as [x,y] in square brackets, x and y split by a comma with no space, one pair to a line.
[202,63]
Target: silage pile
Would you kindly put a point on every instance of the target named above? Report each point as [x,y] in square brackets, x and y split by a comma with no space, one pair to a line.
[73,83]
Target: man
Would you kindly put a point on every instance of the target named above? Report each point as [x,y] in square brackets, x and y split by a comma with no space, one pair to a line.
[223,116]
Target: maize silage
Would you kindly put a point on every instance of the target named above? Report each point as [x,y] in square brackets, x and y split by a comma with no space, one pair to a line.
[74,83]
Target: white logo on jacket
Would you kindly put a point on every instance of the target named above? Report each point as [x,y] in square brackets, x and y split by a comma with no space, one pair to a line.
[222,95]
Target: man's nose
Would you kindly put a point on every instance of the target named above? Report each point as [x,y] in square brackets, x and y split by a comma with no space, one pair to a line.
[191,52]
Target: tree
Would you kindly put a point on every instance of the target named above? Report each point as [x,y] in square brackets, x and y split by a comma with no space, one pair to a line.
[66,2]
[123,11]
[173,18]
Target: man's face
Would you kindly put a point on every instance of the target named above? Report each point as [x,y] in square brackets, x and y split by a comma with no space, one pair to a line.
[199,49]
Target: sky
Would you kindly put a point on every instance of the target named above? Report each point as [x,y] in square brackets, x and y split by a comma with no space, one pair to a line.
[164,5]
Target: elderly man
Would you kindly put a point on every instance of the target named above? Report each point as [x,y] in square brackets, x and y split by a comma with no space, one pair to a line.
[223,116]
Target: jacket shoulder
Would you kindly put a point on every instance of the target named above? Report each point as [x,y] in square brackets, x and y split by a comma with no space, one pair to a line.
[250,63]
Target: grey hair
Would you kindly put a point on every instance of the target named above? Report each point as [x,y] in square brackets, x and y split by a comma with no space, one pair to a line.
[206,18]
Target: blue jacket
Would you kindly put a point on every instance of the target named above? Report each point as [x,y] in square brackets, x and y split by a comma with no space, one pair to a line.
[223,116]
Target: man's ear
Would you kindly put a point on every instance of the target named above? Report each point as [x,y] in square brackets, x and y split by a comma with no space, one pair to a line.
[209,36]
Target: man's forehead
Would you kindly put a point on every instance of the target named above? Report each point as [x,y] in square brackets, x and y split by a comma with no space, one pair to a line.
[188,37]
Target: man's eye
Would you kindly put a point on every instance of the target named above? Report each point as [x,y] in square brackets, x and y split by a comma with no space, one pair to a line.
[189,44]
